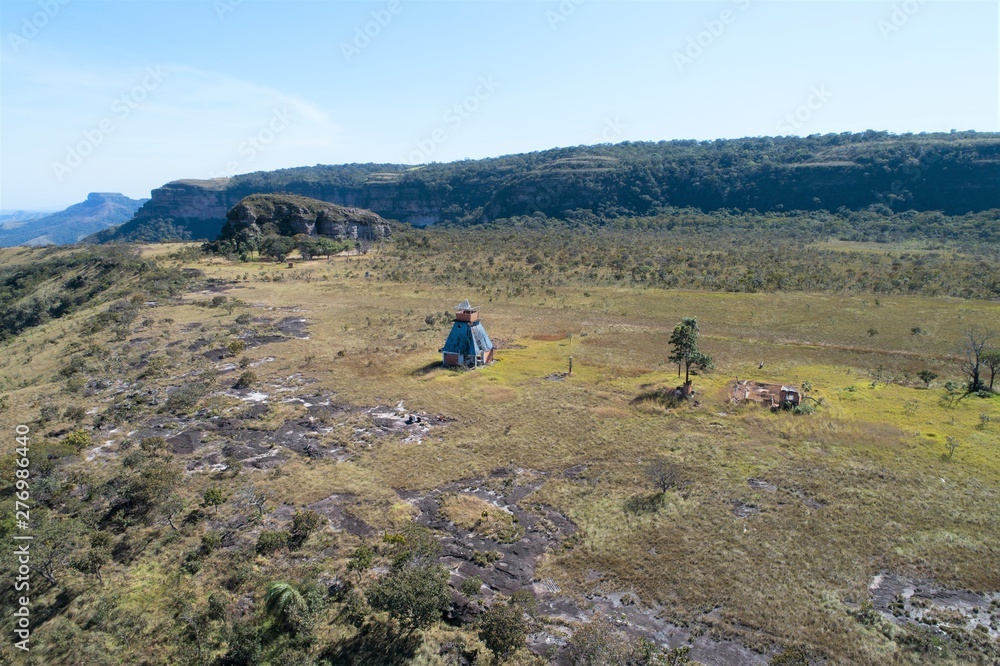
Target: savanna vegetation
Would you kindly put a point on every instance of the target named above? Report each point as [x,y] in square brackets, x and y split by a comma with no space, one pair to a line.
[222,472]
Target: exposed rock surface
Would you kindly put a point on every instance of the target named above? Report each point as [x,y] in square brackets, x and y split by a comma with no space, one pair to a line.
[289,215]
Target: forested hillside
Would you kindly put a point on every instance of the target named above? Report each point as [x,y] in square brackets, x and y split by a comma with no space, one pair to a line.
[955,174]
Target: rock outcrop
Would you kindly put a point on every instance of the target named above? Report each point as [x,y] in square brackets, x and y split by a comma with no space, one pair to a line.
[288,215]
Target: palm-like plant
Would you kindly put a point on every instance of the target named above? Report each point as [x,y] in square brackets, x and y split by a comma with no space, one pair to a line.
[283,602]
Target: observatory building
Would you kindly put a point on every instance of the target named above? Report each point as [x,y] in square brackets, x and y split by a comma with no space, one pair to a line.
[467,344]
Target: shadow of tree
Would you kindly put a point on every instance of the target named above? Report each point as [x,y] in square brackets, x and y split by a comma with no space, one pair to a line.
[377,643]
[642,504]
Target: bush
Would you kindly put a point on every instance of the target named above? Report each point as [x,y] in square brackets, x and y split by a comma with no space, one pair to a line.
[247,379]
[270,541]
[503,628]
[471,586]
[48,413]
[75,414]
[416,594]
[186,397]
[304,523]
[78,439]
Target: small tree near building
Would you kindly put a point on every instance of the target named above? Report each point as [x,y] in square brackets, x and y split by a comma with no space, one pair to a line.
[685,349]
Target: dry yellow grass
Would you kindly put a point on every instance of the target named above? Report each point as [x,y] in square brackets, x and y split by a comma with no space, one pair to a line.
[871,458]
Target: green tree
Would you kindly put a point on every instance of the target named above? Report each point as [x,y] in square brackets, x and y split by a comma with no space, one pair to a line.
[148,487]
[361,559]
[685,349]
[55,542]
[927,376]
[92,562]
[277,247]
[415,593]
[213,497]
[503,628]
[991,361]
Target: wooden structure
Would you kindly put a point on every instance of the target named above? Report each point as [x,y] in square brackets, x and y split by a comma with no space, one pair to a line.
[468,344]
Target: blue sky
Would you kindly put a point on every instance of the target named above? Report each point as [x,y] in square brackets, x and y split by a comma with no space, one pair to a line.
[125,96]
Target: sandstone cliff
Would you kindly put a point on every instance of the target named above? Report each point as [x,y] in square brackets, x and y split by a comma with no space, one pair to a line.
[287,215]
[954,173]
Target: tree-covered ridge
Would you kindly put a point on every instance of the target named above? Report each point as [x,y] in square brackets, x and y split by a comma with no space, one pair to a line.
[954,174]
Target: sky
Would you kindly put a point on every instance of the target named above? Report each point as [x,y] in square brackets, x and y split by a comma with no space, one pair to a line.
[124,96]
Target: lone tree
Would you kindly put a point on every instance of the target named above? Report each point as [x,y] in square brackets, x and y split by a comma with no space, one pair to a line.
[974,345]
[686,353]
[991,361]
[662,474]
[927,376]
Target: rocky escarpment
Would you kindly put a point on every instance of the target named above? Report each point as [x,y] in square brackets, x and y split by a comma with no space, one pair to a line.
[180,210]
[954,173]
[259,215]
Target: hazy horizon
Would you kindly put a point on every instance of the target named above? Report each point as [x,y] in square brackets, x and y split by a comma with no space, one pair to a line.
[93,100]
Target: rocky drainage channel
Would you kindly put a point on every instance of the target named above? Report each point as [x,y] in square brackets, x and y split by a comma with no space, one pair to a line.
[545,529]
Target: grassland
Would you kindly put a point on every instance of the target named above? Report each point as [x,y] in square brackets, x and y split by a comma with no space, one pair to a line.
[861,487]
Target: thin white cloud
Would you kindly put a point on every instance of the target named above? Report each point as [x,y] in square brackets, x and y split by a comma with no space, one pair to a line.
[166,121]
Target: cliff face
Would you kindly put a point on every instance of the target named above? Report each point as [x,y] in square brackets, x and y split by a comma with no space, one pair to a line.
[952,173]
[288,215]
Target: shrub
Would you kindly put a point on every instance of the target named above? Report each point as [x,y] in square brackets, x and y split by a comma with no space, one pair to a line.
[503,628]
[304,523]
[235,347]
[48,413]
[78,439]
[75,413]
[247,379]
[270,541]
[471,586]
[416,594]
[186,397]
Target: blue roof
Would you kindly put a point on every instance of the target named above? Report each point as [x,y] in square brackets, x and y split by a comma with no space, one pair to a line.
[467,338]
